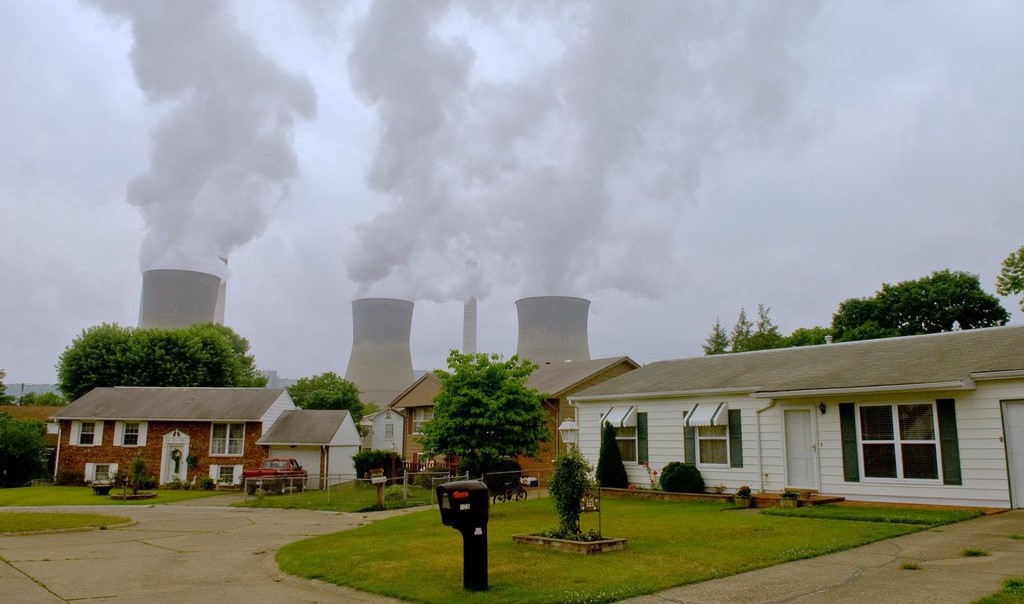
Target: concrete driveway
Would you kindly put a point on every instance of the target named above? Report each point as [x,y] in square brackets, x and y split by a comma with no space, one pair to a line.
[173,553]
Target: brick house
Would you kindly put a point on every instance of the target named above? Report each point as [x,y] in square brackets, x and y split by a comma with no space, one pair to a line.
[558,381]
[217,429]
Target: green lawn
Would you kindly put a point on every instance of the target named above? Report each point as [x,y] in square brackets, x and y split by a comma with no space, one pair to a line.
[18,522]
[415,557]
[875,514]
[350,497]
[1012,593]
[50,495]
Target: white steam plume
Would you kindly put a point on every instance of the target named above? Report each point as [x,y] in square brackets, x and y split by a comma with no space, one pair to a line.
[222,153]
[567,175]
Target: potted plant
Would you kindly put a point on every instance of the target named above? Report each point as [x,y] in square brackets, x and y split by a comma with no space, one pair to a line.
[788,499]
[742,497]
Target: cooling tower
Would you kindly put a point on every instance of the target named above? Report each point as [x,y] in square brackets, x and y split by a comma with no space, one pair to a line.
[553,329]
[178,298]
[381,361]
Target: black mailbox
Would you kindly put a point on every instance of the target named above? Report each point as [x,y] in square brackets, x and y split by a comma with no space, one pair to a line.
[464,506]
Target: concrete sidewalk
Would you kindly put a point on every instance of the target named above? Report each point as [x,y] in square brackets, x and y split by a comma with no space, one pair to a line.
[874,573]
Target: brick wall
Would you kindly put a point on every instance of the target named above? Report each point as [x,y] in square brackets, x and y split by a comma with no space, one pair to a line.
[74,457]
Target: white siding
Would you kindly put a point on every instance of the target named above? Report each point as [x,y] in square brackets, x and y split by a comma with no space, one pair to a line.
[282,404]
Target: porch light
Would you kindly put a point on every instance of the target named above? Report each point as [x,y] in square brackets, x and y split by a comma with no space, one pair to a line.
[569,432]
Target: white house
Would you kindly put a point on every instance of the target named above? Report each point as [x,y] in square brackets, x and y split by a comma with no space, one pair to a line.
[926,419]
[383,429]
[323,441]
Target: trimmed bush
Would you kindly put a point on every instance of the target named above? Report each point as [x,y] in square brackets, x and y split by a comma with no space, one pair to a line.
[206,483]
[611,472]
[69,478]
[679,477]
[369,459]
[568,485]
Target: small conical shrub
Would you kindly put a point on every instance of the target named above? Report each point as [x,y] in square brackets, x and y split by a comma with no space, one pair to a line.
[611,472]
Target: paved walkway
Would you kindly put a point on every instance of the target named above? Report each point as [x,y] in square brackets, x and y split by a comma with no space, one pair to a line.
[200,551]
[874,573]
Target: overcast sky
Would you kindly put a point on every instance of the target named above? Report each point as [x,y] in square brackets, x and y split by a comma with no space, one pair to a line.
[670,161]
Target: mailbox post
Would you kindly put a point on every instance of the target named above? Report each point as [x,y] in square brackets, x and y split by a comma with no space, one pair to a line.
[464,506]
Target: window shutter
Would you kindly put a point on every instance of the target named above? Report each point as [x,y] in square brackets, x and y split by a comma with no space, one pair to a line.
[641,438]
[76,431]
[949,442]
[118,433]
[410,417]
[113,472]
[90,472]
[215,472]
[98,439]
[142,434]
[689,445]
[735,438]
[848,431]
[236,475]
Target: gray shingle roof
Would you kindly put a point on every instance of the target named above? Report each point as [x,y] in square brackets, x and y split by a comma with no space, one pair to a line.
[927,359]
[304,427]
[124,402]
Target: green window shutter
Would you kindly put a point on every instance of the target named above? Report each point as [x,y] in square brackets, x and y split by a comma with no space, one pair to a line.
[641,437]
[689,445]
[948,441]
[848,430]
[735,439]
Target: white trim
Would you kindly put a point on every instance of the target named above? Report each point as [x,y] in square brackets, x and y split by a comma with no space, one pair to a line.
[897,441]
[751,390]
[966,384]
[697,438]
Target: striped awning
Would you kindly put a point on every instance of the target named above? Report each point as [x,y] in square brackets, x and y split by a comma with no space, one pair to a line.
[620,417]
[708,414]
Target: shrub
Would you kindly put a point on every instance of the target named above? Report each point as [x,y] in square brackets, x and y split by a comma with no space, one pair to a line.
[369,459]
[611,472]
[69,478]
[175,485]
[206,483]
[681,478]
[425,480]
[394,493]
[568,485]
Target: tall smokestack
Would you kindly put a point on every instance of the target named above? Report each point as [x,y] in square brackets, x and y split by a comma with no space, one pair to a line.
[469,326]
[381,361]
[553,329]
[469,311]
[222,294]
[178,298]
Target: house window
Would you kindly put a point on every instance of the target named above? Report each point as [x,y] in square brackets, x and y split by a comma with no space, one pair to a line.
[87,433]
[389,431]
[713,445]
[899,441]
[101,473]
[420,416]
[131,434]
[226,474]
[227,439]
[626,439]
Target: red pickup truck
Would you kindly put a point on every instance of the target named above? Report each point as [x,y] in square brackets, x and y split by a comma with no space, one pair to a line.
[275,474]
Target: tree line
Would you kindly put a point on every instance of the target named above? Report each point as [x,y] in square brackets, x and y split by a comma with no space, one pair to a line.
[943,301]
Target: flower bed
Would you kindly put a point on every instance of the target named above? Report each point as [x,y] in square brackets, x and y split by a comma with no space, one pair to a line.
[576,547]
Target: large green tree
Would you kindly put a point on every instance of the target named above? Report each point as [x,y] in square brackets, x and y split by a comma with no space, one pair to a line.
[44,399]
[717,341]
[1011,276]
[942,301]
[329,391]
[21,449]
[112,355]
[485,410]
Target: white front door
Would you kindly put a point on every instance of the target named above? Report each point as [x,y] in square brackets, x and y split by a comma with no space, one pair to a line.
[801,460]
[174,458]
[1013,432]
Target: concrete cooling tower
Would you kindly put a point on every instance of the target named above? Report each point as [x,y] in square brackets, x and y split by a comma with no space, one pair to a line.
[553,329]
[381,361]
[177,298]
